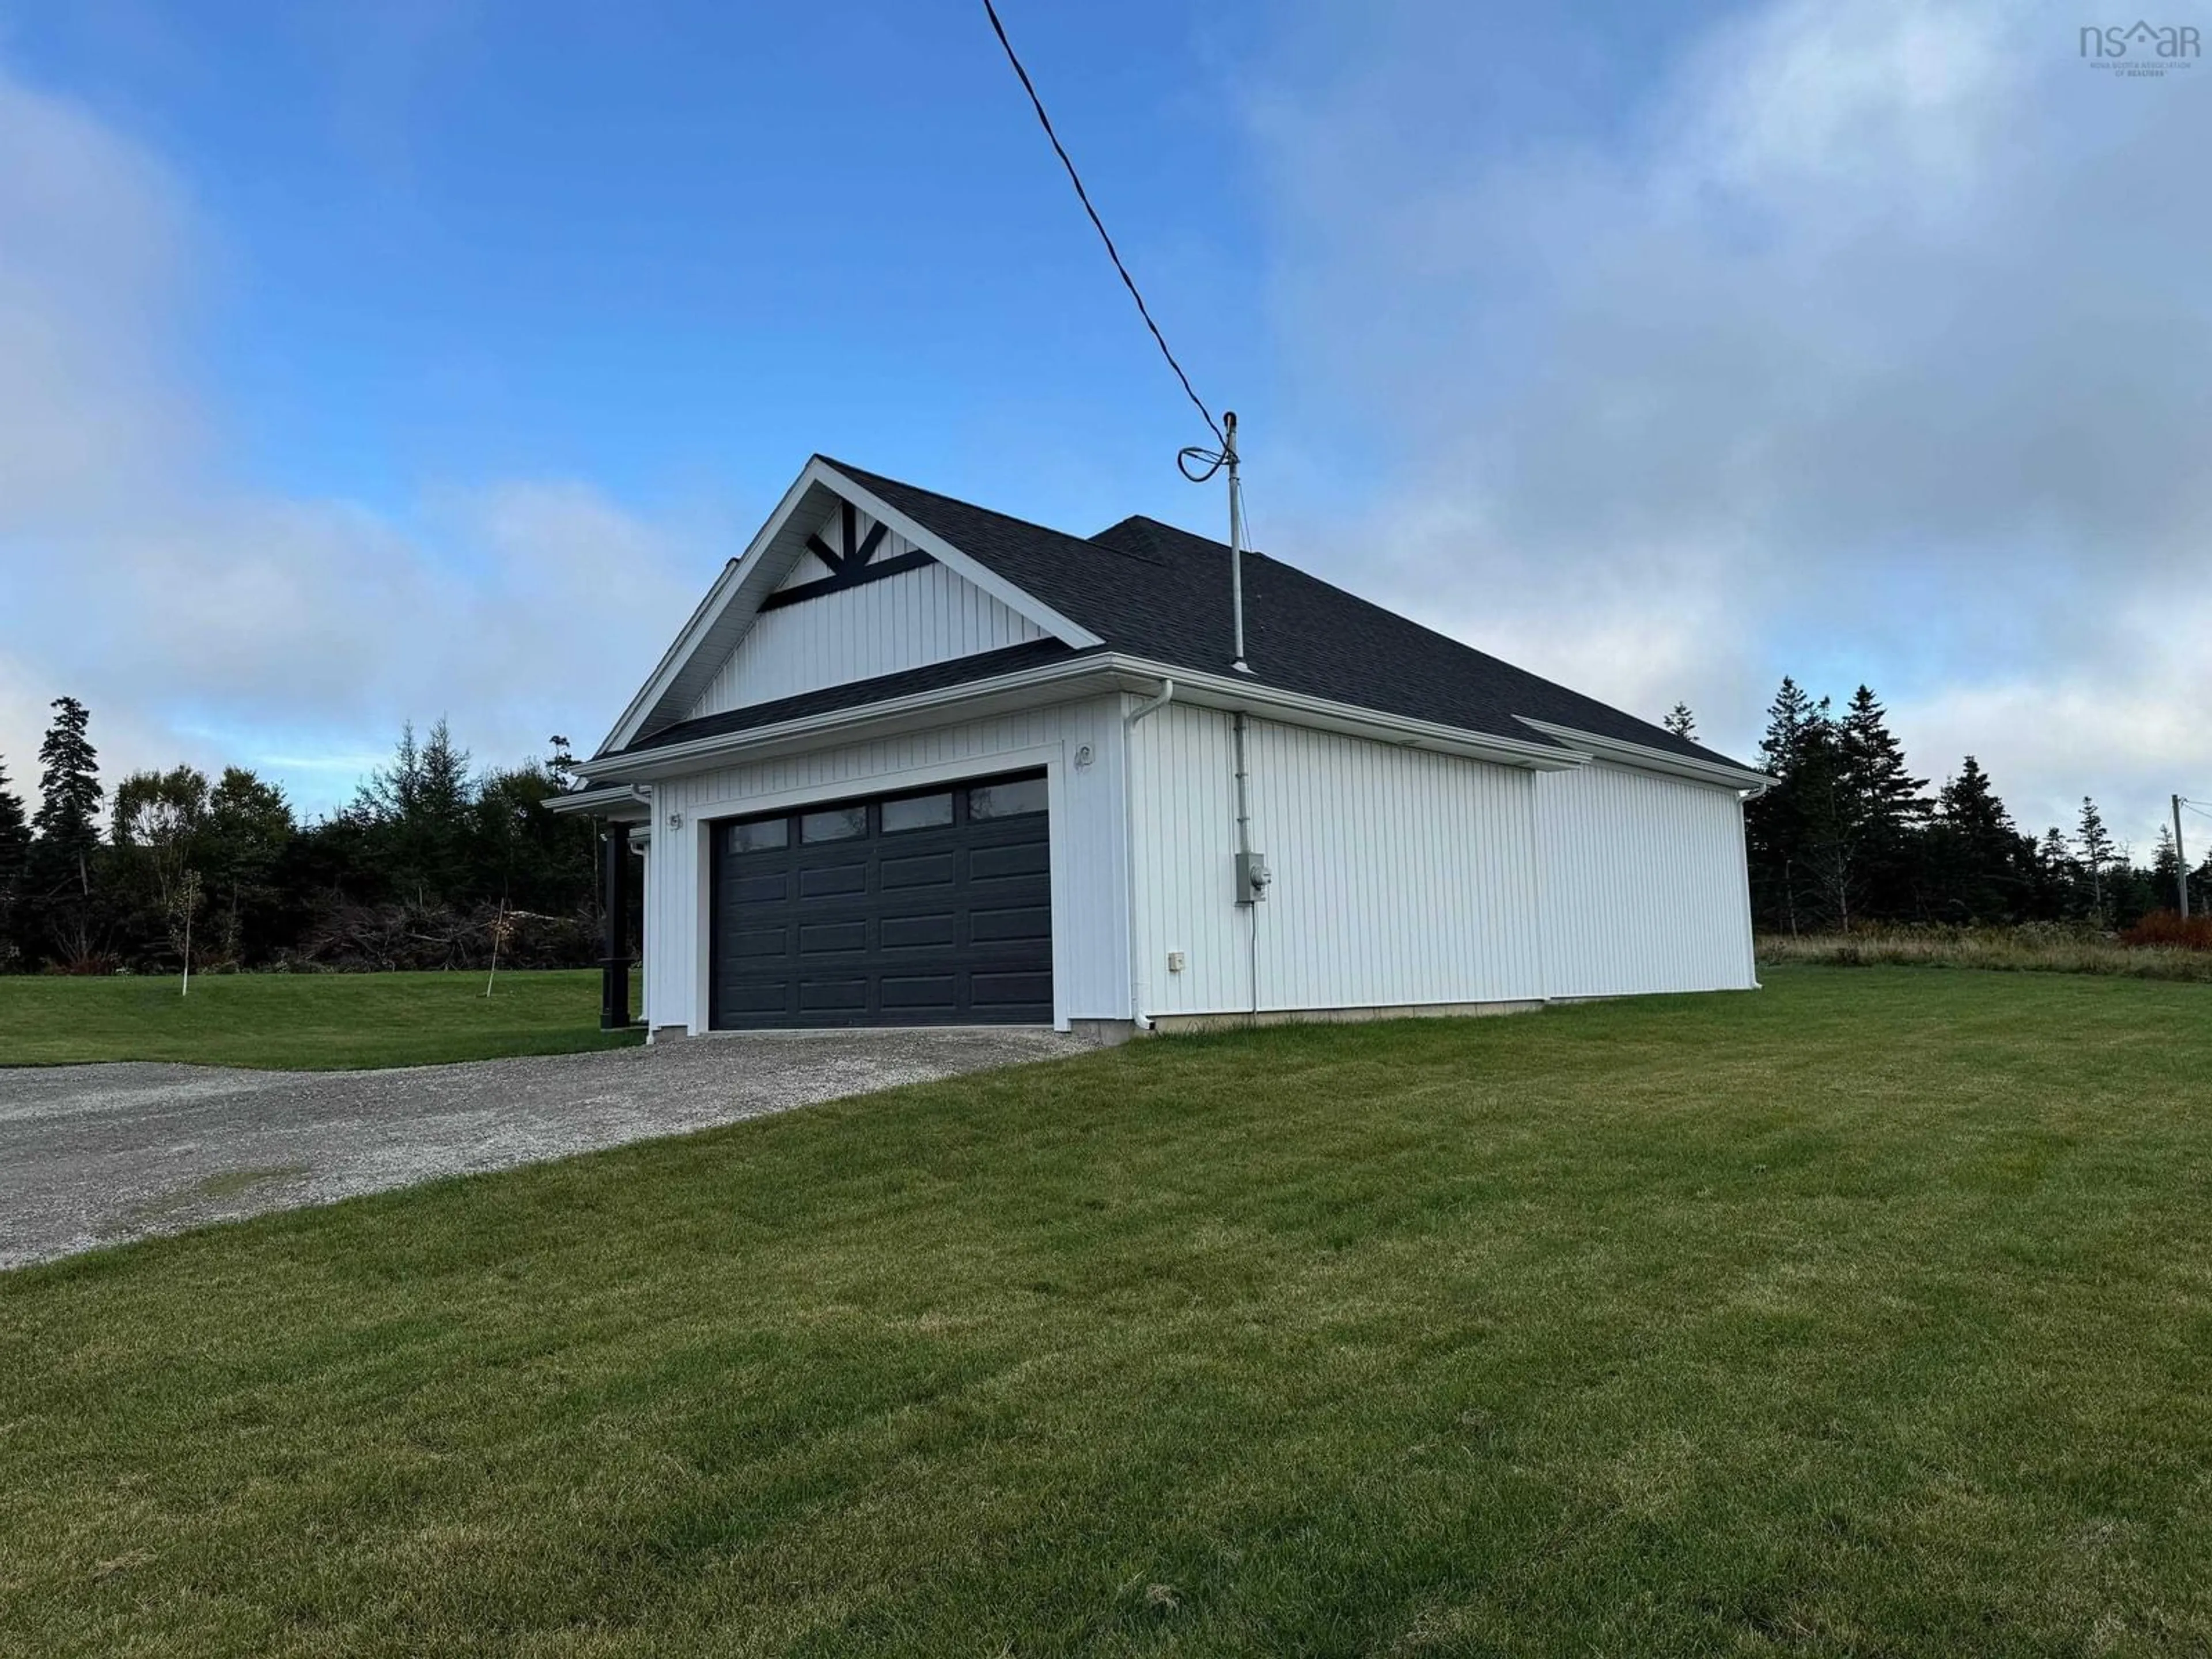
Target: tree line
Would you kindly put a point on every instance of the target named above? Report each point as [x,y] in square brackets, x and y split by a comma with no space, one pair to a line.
[433,864]
[1848,836]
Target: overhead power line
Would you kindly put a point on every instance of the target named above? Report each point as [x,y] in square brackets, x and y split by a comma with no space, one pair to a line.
[1112,252]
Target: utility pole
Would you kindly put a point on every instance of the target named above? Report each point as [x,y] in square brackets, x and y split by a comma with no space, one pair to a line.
[2180,860]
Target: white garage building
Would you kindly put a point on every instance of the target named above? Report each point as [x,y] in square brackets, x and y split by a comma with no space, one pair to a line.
[915,762]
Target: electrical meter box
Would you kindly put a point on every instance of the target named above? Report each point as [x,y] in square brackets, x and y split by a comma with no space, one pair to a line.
[1252,877]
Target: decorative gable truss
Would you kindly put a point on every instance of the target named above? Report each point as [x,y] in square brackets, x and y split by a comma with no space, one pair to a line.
[860,557]
[837,587]
[873,605]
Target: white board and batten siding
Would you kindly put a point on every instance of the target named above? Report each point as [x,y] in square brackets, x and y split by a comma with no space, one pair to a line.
[1403,877]
[1090,860]
[1400,875]
[1644,884]
[882,626]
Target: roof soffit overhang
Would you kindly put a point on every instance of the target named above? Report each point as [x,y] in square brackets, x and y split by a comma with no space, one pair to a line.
[623,802]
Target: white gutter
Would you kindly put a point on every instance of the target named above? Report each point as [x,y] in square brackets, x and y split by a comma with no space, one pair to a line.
[1648,759]
[1237,691]
[595,801]
[1128,673]
[1150,706]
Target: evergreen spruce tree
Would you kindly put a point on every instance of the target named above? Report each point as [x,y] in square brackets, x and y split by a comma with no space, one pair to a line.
[1788,718]
[15,855]
[58,883]
[1799,832]
[2129,894]
[1681,722]
[448,823]
[2165,872]
[1830,821]
[416,816]
[561,764]
[2096,851]
[1883,806]
[1975,859]
[389,794]
[15,836]
[2058,876]
[1772,830]
[446,789]
[67,824]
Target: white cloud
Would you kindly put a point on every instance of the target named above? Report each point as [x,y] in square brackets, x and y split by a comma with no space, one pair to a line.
[205,622]
[93,243]
[2128,729]
[1868,340]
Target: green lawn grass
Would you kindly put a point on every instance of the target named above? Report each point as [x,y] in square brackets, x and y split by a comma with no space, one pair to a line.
[1869,1314]
[302,1022]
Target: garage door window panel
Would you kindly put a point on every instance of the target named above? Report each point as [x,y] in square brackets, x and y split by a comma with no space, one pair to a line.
[906,814]
[839,823]
[1006,798]
[759,835]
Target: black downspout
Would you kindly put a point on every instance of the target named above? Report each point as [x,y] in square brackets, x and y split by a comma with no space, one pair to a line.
[614,999]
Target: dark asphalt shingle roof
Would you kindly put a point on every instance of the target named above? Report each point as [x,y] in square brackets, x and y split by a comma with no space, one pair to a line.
[1149,590]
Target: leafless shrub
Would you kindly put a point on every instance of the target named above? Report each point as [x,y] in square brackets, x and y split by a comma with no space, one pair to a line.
[359,938]
[2172,929]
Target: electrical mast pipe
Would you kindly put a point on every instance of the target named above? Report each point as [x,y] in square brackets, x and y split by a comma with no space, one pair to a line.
[1236,537]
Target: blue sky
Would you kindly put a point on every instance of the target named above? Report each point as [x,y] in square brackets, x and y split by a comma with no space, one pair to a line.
[675,248]
[387,362]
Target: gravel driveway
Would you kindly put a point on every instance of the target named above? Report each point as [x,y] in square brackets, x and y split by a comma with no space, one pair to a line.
[92,1155]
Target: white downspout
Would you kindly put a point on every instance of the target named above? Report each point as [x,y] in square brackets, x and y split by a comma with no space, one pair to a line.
[1150,706]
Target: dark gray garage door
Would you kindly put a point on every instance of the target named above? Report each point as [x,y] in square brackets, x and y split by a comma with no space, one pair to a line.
[926,908]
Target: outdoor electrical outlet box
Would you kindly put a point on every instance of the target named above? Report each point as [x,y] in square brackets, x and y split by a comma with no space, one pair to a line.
[1252,877]
[1174,961]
